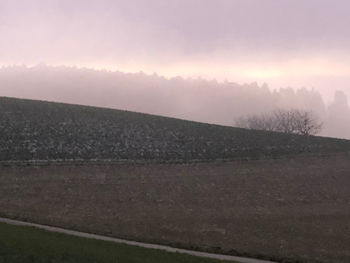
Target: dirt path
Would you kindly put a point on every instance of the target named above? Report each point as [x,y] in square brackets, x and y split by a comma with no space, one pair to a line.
[134,243]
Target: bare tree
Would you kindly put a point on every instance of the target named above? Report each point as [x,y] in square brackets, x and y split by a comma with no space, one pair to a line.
[257,122]
[285,121]
[306,123]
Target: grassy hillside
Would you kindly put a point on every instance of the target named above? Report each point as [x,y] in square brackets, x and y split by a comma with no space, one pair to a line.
[36,130]
[20,244]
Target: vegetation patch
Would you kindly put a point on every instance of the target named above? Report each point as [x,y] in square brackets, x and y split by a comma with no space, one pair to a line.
[19,244]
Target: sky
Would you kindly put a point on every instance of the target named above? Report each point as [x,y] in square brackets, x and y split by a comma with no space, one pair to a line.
[299,43]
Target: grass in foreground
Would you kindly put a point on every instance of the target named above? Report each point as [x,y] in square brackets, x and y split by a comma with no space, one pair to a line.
[22,244]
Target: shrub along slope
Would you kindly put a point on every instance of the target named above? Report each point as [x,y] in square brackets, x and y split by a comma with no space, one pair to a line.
[37,130]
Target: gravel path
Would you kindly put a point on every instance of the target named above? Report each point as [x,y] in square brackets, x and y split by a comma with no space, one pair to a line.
[134,243]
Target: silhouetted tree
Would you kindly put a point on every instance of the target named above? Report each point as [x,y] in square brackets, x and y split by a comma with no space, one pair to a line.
[286,121]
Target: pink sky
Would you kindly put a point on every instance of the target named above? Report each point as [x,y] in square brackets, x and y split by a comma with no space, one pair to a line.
[284,43]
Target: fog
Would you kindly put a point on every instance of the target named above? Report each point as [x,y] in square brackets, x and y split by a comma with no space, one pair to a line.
[282,42]
[299,44]
[191,99]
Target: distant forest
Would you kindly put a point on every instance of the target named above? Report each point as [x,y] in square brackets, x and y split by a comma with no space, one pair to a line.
[191,99]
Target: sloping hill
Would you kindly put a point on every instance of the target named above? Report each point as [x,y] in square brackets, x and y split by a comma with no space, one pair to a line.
[37,130]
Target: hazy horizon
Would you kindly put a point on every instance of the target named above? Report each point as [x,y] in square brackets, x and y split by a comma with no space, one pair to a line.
[283,43]
[191,99]
[257,54]
[327,94]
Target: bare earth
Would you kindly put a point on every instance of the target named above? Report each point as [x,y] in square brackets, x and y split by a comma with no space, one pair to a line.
[296,209]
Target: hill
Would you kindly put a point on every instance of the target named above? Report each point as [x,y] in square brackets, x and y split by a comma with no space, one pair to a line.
[38,130]
[175,97]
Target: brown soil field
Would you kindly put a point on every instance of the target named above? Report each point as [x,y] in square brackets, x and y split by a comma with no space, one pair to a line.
[294,209]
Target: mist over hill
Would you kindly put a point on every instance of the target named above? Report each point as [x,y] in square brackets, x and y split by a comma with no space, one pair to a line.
[192,99]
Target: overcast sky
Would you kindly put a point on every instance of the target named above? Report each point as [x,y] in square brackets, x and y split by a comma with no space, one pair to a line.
[282,42]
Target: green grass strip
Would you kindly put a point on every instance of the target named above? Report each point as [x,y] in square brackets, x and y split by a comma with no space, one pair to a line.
[22,244]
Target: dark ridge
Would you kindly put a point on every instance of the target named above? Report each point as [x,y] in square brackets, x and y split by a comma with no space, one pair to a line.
[38,130]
